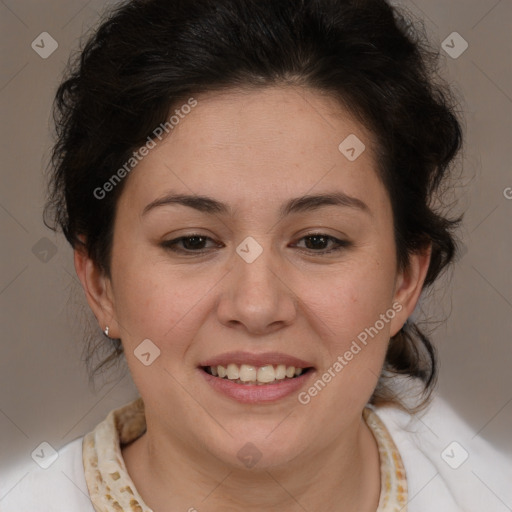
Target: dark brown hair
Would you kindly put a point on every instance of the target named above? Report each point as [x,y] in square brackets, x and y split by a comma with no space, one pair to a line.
[150,55]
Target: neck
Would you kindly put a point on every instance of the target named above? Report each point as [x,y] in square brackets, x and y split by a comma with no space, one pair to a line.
[344,475]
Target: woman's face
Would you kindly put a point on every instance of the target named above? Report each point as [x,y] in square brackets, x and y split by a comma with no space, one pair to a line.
[254,280]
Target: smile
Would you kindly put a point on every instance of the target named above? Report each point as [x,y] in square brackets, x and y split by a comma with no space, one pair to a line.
[251,374]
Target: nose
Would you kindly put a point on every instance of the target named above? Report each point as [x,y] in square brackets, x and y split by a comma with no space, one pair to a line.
[256,297]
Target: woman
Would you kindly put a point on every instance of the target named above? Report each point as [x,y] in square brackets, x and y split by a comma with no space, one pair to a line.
[247,187]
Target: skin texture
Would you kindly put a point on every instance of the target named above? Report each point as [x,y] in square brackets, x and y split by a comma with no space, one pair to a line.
[254,150]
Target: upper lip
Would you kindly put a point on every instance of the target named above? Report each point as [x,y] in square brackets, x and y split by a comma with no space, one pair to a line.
[239,358]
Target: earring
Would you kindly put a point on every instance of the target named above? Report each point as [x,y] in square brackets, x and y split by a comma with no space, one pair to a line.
[106,332]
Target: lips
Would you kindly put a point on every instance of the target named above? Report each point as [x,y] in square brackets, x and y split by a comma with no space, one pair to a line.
[265,358]
[252,387]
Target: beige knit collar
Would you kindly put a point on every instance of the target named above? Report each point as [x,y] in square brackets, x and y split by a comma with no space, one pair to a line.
[112,490]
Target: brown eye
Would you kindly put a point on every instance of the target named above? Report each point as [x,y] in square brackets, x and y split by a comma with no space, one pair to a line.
[319,242]
[192,243]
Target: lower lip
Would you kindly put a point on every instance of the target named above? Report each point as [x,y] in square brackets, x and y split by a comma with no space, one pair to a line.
[253,393]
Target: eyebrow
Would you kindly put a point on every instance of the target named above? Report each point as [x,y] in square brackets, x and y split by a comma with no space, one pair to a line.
[302,204]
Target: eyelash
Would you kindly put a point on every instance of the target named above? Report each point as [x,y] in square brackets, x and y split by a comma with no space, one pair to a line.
[171,244]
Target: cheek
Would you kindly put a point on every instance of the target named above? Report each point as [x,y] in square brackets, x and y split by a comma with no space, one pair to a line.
[351,298]
[345,313]
[156,302]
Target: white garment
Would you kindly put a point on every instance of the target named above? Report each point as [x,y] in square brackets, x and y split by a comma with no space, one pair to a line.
[60,488]
[480,483]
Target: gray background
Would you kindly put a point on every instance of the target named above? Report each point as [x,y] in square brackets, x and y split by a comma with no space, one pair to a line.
[45,394]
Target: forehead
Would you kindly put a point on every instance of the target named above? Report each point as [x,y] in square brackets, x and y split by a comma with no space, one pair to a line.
[255,147]
[277,122]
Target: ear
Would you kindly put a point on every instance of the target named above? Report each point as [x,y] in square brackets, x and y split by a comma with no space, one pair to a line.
[408,287]
[98,291]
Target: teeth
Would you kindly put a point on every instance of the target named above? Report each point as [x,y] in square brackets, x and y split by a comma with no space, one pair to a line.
[266,374]
[280,371]
[233,372]
[290,371]
[247,373]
